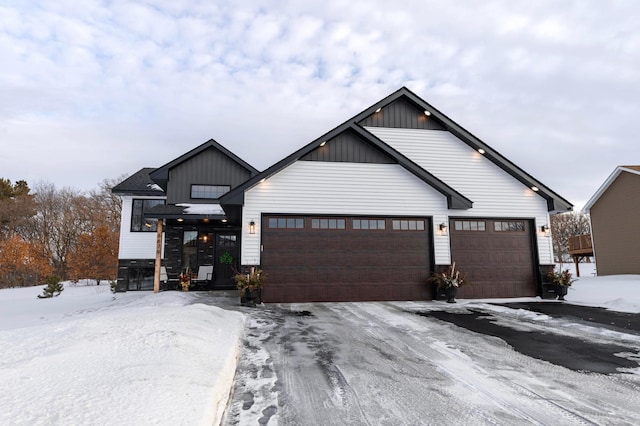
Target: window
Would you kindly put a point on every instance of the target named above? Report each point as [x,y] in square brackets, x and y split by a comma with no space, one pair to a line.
[286,223]
[328,223]
[509,226]
[368,224]
[138,222]
[470,225]
[407,225]
[209,191]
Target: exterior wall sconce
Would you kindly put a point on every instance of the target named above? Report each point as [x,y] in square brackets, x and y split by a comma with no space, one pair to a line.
[443,227]
[545,229]
[252,227]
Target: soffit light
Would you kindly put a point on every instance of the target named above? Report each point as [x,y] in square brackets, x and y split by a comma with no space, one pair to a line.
[535,189]
[427,113]
[180,219]
[481,151]
[323,143]
[379,109]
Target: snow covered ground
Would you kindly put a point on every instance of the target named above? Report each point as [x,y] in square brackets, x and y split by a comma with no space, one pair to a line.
[94,358]
[89,357]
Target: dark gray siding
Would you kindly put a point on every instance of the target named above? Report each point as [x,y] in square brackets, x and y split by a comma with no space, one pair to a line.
[210,167]
[402,114]
[350,148]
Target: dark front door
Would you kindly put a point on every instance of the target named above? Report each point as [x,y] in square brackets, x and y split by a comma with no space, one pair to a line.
[226,243]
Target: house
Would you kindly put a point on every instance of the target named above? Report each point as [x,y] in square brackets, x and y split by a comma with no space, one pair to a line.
[183,194]
[367,211]
[615,226]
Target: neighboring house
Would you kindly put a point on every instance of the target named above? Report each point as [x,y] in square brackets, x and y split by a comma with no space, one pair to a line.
[615,222]
[365,212]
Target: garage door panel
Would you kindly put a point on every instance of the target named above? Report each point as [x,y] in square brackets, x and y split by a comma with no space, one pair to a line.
[346,264]
[497,263]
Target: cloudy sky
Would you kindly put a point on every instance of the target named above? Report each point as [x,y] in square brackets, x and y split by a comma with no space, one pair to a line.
[94,90]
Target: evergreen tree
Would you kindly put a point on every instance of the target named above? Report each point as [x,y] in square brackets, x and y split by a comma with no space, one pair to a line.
[53,286]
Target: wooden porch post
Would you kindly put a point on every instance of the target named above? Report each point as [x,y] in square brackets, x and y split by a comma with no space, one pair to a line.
[156,272]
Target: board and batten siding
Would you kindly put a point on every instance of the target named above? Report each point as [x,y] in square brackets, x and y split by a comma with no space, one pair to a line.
[493,191]
[135,245]
[335,188]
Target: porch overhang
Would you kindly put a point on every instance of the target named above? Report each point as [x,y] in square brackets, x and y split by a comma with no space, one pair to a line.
[187,212]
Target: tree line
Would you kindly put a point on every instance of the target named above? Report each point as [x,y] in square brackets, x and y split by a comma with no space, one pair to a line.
[47,231]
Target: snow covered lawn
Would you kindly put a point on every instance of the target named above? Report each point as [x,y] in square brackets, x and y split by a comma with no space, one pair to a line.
[89,357]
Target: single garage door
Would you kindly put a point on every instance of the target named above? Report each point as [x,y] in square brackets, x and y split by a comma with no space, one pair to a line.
[497,256]
[336,259]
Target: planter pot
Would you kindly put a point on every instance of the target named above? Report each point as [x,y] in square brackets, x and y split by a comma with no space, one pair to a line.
[561,291]
[451,292]
[251,298]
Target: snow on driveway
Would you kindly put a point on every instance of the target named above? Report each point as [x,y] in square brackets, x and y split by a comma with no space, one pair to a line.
[382,363]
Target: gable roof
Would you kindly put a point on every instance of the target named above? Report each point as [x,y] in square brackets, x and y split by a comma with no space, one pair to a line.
[161,174]
[455,200]
[607,183]
[138,184]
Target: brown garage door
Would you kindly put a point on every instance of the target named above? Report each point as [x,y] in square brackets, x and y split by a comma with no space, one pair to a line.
[317,259]
[496,255]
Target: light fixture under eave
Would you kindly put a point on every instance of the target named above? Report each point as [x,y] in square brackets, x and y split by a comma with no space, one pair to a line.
[323,143]
[379,109]
[427,113]
[180,219]
[252,227]
[224,221]
[535,189]
[481,151]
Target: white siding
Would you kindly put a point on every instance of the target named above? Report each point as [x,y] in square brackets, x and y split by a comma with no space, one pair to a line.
[494,192]
[310,187]
[135,245]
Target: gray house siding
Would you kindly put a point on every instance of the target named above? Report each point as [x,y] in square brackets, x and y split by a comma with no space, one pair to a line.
[348,147]
[210,167]
[402,114]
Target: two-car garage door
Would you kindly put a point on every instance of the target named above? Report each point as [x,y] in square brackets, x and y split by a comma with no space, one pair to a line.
[315,258]
[352,258]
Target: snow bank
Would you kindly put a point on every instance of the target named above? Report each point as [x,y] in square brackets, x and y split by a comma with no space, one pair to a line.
[89,357]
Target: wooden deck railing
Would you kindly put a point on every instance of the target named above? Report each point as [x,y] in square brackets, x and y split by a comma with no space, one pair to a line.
[580,245]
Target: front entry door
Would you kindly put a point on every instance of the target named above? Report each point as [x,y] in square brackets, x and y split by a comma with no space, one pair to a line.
[226,243]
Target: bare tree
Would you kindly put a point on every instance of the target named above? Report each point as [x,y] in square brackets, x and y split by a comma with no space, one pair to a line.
[564,226]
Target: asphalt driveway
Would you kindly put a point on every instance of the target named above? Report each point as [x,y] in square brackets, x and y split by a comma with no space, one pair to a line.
[406,363]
